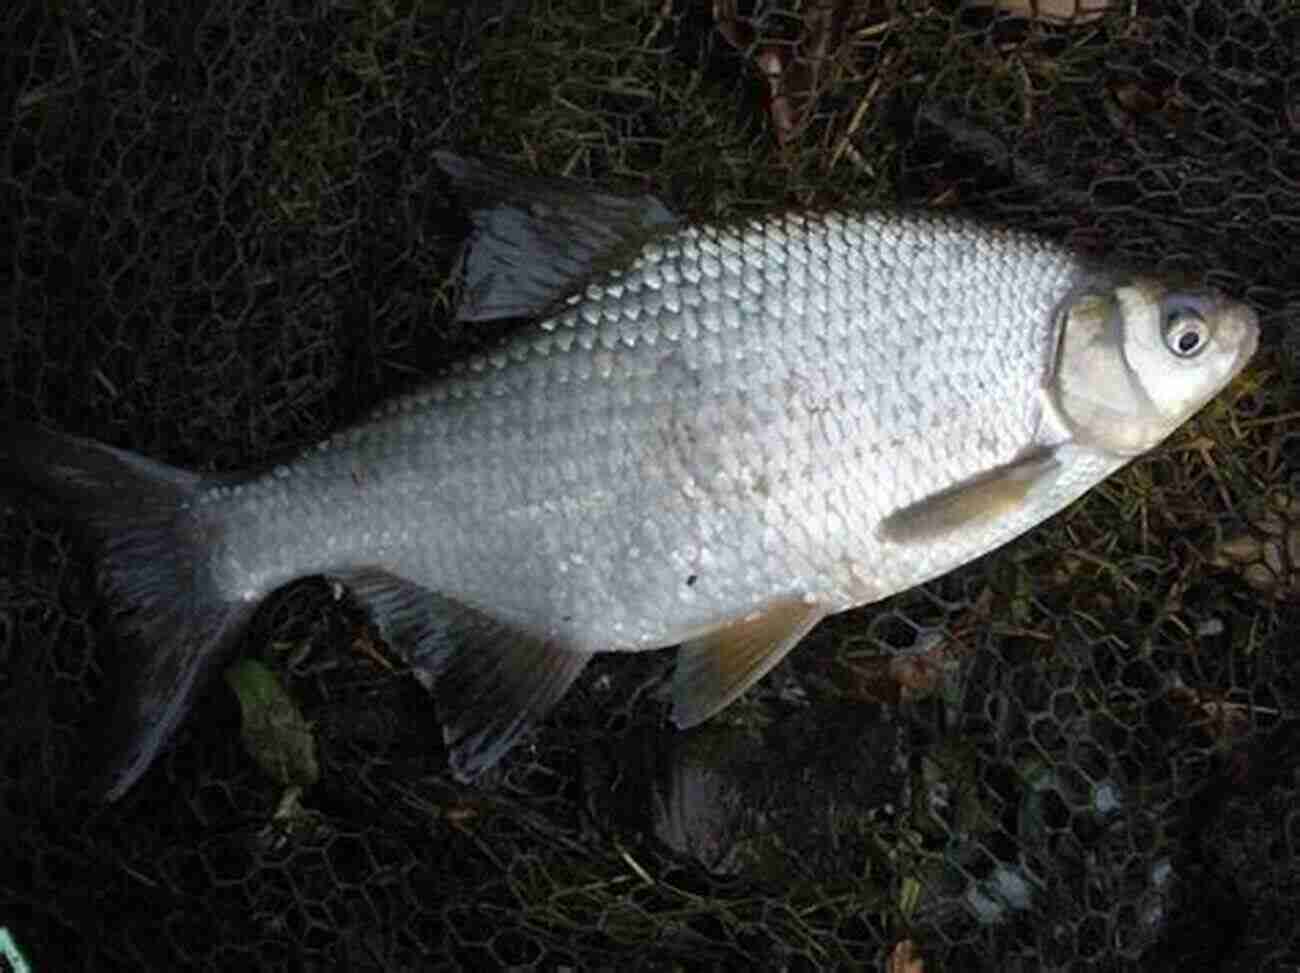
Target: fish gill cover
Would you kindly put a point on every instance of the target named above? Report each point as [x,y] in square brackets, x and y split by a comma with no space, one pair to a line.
[228,237]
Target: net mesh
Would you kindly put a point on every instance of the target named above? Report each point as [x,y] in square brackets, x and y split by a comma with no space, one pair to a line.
[1078,753]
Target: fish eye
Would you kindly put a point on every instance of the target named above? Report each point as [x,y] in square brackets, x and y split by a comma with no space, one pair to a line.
[1186,332]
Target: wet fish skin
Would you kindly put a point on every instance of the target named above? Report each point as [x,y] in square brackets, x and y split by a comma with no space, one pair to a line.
[716,436]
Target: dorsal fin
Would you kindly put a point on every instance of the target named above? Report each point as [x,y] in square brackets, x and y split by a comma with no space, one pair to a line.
[536,238]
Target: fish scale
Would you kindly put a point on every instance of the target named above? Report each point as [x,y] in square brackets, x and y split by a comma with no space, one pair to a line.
[712,435]
[652,421]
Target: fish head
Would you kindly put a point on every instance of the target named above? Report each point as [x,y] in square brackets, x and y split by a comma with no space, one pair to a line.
[1137,357]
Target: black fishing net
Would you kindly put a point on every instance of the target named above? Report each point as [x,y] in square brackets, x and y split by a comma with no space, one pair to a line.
[226,238]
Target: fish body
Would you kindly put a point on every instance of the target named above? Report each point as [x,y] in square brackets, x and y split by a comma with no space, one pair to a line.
[692,437]
[711,436]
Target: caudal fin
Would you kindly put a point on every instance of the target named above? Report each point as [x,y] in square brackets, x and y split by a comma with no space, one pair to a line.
[155,546]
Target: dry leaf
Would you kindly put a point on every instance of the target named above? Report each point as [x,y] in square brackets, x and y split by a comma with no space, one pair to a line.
[905,958]
[1267,555]
[1222,719]
[1053,11]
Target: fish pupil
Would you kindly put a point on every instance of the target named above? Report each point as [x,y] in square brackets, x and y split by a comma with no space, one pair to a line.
[1184,333]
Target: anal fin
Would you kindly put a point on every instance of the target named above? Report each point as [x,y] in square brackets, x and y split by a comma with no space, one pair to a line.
[491,682]
[494,690]
[418,624]
[713,669]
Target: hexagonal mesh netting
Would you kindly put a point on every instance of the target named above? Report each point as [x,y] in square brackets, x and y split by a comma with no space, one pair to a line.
[227,238]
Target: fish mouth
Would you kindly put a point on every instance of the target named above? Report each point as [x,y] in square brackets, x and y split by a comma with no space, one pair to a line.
[1239,326]
[1248,324]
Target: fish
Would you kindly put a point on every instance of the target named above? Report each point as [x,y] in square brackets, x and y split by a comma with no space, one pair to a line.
[709,435]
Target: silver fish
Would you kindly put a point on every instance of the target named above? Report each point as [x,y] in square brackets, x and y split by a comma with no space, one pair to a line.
[713,436]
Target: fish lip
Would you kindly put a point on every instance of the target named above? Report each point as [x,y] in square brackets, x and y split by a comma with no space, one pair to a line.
[1243,322]
[1250,342]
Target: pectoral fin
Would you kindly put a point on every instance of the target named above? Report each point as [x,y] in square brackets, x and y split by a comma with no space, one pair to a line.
[985,498]
[491,682]
[714,669]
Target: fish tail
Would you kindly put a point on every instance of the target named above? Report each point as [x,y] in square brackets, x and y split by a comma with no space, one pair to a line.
[155,569]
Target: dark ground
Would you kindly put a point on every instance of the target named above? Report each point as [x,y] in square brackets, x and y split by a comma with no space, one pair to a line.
[227,240]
